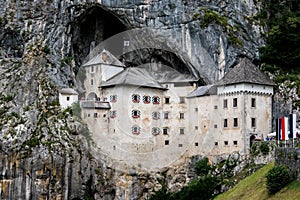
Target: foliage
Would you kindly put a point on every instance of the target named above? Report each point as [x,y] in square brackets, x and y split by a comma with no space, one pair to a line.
[202,167]
[264,148]
[281,54]
[277,178]
[76,110]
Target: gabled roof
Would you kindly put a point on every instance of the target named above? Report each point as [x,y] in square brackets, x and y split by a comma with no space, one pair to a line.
[203,91]
[105,57]
[133,76]
[245,72]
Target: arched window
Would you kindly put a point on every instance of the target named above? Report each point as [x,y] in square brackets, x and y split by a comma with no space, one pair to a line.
[155,100]
[155,115]
[155,131]
[146,99]
[135,113]
[136,98]
[136,130]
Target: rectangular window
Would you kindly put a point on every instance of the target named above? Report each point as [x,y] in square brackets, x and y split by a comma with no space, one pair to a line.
[235,122]
[181,115]
[225,123]
[225,103]
[253,102]
[165,131]
[179,145]
[181,99]
[196,109]
[196,144]
[92,82]
[234,102]
[166,142]
[216,143]
[167,100]
[68,98]
[235,142]
[166,115]
[215,107]
[92,69]
[225,142]
[196,127]
[215,126]
[181,131]
[253,122]
[95,115]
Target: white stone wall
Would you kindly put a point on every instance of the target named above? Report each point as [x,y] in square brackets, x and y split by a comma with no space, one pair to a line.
[66,100]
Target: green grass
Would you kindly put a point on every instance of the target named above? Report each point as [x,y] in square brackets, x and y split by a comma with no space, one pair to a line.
[254,188]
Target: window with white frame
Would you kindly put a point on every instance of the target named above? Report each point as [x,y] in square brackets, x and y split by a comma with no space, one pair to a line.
[181,99]
[113,114]
[136,98]
[166,115]
[113,98]
[136,130]
[155,131]
[135,113]
[155,100]
[146,99]
[181,115]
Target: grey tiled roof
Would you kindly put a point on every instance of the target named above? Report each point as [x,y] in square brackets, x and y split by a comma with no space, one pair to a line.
[245,72]
[98,59]
[203,91]
[133,76]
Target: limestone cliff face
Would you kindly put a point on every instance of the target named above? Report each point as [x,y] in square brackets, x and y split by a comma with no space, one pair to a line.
[44,150]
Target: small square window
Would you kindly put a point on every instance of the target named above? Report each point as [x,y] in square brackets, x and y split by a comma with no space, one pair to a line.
[225,123]
[181,99]
[215,126]
[88,115]
[166,142]
[253,102]
[166,115]
[216,144]
[225,103]
[235,142]
[167,100]
[215,107]
[181,115]
[225,142]
[196,144]
[235,122]
[234,103]
[68,98]
[196,127]
[181,131]
[165,131]
[179,145]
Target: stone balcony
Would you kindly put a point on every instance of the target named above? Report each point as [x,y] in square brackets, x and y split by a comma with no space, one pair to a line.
[92,104]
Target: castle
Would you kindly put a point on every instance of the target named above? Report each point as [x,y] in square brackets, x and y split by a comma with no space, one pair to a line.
[151,116]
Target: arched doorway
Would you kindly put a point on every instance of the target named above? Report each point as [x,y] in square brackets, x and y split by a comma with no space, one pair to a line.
[92,96]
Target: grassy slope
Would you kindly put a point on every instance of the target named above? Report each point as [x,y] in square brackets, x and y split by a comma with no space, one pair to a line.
[254,188]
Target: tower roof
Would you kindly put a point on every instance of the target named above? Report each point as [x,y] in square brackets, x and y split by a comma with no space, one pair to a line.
[105,57]
[245,72]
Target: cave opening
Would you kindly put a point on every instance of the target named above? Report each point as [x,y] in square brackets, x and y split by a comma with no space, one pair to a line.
[92,28]
[98,24]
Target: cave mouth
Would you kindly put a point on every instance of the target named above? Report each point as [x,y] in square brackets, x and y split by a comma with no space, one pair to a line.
[93,27]
[98,26]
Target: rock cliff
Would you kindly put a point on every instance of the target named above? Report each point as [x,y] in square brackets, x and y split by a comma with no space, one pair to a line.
[46,152]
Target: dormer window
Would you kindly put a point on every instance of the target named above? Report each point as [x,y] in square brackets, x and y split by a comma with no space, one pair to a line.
[136,98]
[136,114]
[146,99]
[155,100]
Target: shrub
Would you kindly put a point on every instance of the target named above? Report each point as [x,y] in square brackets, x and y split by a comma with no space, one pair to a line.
[277,178]
[264,148]
[202,167]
